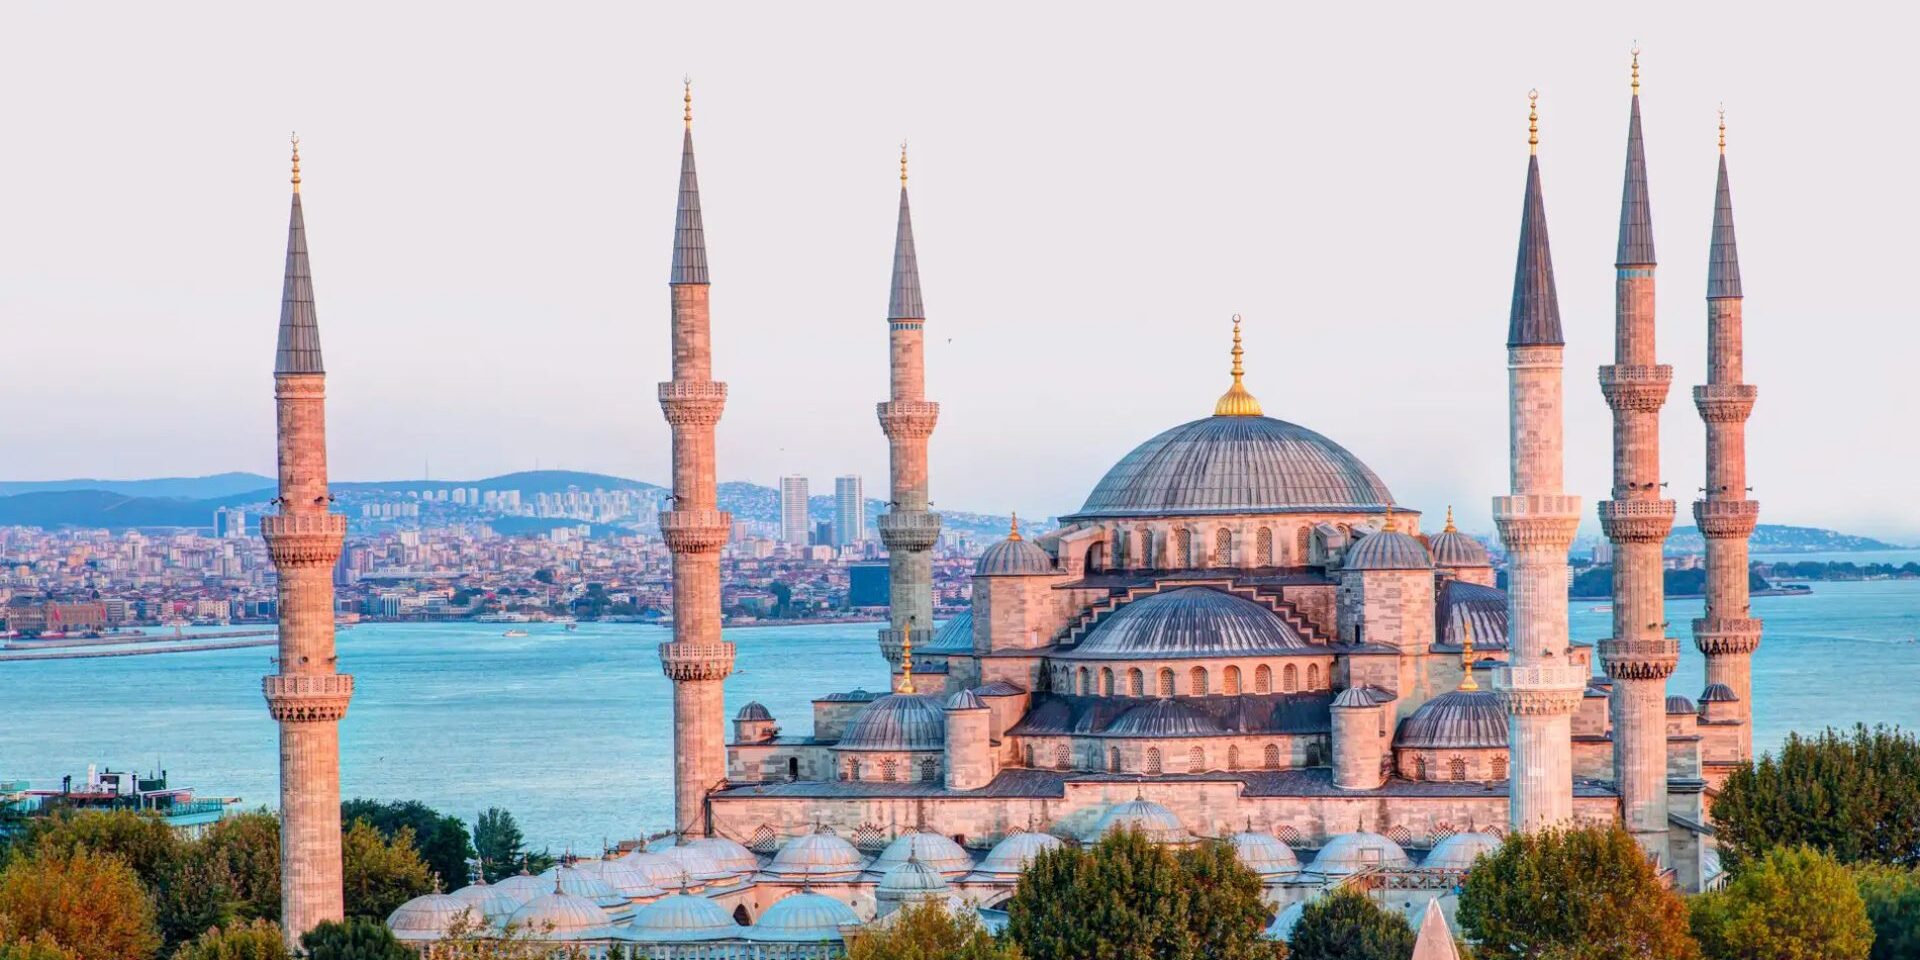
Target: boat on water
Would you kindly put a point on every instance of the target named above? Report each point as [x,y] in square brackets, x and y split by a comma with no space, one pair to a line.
[186,813]
[1603,608]
[514,633]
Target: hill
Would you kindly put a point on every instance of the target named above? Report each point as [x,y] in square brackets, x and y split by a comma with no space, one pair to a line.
[101,508]
[181,488]
[1780,538]
[525,481]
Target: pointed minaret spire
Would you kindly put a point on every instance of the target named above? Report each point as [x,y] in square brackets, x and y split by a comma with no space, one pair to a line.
[299,347]
[1535,319]
[1636,213]
[1723,258]
[689,237]
[904,303]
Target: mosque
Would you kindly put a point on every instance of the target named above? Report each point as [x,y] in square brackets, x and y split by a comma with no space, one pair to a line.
[1240,635]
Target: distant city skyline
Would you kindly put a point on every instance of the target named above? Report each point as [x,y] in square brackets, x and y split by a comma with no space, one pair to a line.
[1085,227]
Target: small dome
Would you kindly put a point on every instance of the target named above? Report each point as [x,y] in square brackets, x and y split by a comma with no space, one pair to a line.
[1678,705]
[430,917]
[1151,819]
[897,721]
[803,917]
[1718,693]
[1459,851]
[1014,853]
[1353,852]
[1282,926]
[699,864]
[559,916]
[1461,607]
[931,849]
[1014,557]
[1463,718]
[729,854]
[681,918]
[754,710]
[999,688]
[1364,696]
[626,879]
[524,887]
[662,872]
[1187,623]
[953,636]
[493,906]
[911,881]
[1264,854]
[965,700]
[1163,718]
[1387,550]
[816,855]
[587,886]
[1453,549]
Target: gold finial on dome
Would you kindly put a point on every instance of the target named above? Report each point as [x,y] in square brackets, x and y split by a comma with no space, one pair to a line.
[906,656]
[1389,525]
[1723,128]
[1636,68]
[1450,527]
[1013,533]
[296,161]
[903,164]
[1466,655]
[1237,402]
[1533,120]
[686,98]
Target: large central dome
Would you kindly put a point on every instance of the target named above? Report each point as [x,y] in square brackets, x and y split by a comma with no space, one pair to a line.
[1235,464]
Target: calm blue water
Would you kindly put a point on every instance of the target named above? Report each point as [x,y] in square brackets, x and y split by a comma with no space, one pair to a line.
[569,730]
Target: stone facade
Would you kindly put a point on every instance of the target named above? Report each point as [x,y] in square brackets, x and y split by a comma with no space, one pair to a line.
[909,528]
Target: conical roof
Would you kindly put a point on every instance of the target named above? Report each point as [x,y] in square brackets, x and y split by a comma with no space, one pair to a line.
[1723,257]
[298,351]
[689,234]
[1535,317]
[1636,211]
[904,301]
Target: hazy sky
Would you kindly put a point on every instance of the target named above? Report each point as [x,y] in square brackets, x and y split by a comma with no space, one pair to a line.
[489,195]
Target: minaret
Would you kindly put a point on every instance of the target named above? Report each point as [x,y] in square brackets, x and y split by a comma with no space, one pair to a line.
[1638,656]
[1728,634]
[907,417]
[1541,685]
[696,659]
[306,697]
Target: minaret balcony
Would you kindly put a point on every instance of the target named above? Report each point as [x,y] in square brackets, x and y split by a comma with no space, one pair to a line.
[1726,519]
[303,539]
[1725,402]
[907,419]
[1537,520]
[695,531]
[693,402]
[696,660]
[307,697]
[909,530]
[1542,689]
[1636,521]
[1639,659]
[1636,387]
[1726,636]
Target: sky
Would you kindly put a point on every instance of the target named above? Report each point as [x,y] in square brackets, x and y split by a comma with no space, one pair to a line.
[1097,189]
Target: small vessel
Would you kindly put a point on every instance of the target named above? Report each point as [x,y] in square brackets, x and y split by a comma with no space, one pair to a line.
[572,626]
[1603,608]
[514,633]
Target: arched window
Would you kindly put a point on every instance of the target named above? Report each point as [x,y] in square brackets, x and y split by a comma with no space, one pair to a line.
[929,770]
[1198,680]
[889,770]
[1263,547]
[1233,758]
[1146,548]
[1062,758]
[1272,757]
[1457,768]
[1303,545]
[1419,768]
[1166,681]
[1500,767]
[853,769]
[1029,756]
[1183,547]
[1119,539]
[1263,679]
[1223,547]
[1113,760]
[1086,682]
[1106,681]
[1232,681]
[1196,760]
[1289,679]
[793,768]
[741,916]
[1136,683]
[1097,557]
[1313,676]
[1153,759]
[1313,754]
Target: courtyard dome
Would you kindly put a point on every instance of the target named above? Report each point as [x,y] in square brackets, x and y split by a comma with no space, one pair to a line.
[1014,853]
[559,916]
[626,879]
[1187,623]
[1388,549]
[803,917]
[1231,465]
[1014,557]
[910,881]
[524,887]
[431,917]
[698,863]
[580,883]
[1282,926]
[488,902]
[1264,854]
[1353,852]
[953,636]
[1453,549]
[816,855]
[1459,851]
[897,721]
[930,849]
[660,871]
[1154,821]
[1463,718]
[681,918]
[729,854]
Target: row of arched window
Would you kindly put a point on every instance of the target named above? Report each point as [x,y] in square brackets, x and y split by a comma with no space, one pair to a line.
[889,769]
[1457,768]
[1154,760]
[1147,548]
[1086,682]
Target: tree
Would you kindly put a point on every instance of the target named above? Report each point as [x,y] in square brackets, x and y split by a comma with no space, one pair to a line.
[194,894]
[141,840]
[501,847]
[1227,914]
[1347,925]
[243,851]
[1855,796]
[929,931]
[381,874]
[1892,899]
[1607,901]
[39,948]
[259,940]
[356,938]
[441,839]
[91,905]
[1121,899]
[1792,904]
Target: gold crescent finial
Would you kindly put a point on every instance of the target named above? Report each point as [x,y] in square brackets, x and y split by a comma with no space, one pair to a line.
[1390,525]
[686,99]
[906,656]
[1533,121]
[903,163]
[1237,402]
[1466,655]
[1723,128]
[1014,532]
[296,161]
[1636,68]
[1450,527]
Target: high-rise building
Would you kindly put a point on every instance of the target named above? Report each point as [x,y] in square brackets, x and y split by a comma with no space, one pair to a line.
[229,523]
[794,528]
[849,511]
[823,534]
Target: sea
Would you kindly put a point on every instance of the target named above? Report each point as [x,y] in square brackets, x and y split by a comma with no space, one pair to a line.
[569,730]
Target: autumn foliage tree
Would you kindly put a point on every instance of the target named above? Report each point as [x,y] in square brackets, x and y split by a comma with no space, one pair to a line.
[379,873]
[1585,893]
[929,931]
[1855,796]
[1791,903]
[259,940]
[90,905]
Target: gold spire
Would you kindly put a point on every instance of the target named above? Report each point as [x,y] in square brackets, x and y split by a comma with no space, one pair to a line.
[1450,528]
[296,161]
[1723,128]
[1533,121]
[1237,402]
[1636,68]
[906,657]
[687,100]
[1389,526]
[1466,655]
[903,164]
[1014,534]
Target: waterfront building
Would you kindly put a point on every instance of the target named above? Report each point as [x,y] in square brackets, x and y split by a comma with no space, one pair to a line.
[795,529]
[849,511]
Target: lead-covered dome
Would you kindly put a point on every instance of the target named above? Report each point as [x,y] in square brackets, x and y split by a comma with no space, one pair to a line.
[1152,820]
[1453,549]
[1235,464]
[816,855]
[729,854]
[897,721]
[1014,557]
[1463,718]
[953,636]
[1187,622]
[1012,855]
[1387,550]
[925,847]
[682,918]
[1264,854]
[487,902]
[431,917]
[1353,852]
[1458,852]
[803,917]
[559,916]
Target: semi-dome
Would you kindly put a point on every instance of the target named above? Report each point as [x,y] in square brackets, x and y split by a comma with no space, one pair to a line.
[1264,854]
[559,916]
[1462,608]
[816,855]
[729,854]
[626,879]
[1015,852]
[1455,550]
[1458,852]
[1387,550]
[1014,557]
[803,917]
[1463,718]
[1154,821]
[953,636]
[934,850]
[524,887]
[1163,718]
[1187,623]
[1353,852]
[488,902]
[682,918]
[897,721]
[754,710]
[431,917]
[1362,697]
[1235,464]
